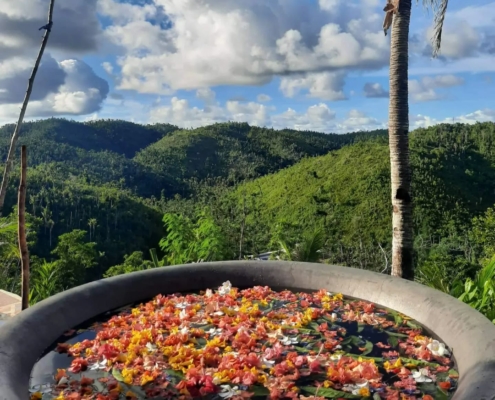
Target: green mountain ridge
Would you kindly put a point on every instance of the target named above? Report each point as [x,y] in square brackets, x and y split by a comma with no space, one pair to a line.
[113,178]
[116,179]
[348,192]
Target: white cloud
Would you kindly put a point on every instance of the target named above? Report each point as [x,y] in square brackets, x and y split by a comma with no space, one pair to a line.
[324,85]
[14,74]
[76,27]
[424,121]
[206,94]
[358,121]
[459,40]
[81,92]
[442,81]
[263,98]
[107,67]
[374,90]
[220,42]
[424,89]
[254,113]
[482,15]
[63,85]
[318,117]
[180,113]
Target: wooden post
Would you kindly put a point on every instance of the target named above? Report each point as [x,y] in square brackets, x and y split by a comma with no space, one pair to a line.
[23,248]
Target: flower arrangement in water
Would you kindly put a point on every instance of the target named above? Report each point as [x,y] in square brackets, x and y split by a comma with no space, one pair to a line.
[256,343]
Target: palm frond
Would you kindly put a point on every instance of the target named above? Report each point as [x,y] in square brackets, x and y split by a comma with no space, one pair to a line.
[439,8]
[434,276]
[311,245]
[486,275]
[284,247]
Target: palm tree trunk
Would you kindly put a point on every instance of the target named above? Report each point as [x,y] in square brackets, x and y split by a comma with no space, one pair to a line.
[23,248]
[15,136]
[402,243]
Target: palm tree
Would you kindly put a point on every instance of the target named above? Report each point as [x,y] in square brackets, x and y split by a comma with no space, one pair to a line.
[92,227]
[398,15]
[308,250]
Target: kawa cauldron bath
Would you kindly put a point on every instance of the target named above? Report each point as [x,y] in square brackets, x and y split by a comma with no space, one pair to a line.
[279,329]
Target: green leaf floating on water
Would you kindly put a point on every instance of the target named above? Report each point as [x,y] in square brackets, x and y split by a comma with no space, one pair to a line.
[397,317]
[396,334]
[369,348]
[201,342]
[412,325]
[302,349]
[418,363]
[453,372]
[174,374]
[206,327]
[259,391]
[117,374]
[329,393]
[393,341]
[314,325]
[137,392]
[351,340]
[433,390]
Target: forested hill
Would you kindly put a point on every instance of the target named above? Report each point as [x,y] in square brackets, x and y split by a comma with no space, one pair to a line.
[237,151]
[151,159]
[241,189]
[113,179]
[348,193]
[121,137]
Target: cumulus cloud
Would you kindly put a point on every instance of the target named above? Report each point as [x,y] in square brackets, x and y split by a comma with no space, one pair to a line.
[254,113]
[263,98]
[64,85]
[424,89]
[76,27]
[359,121]
[220,42]
[206,94]
[468,32]
[374,90]
[107,67]
[324,85]
[81,92]
[424,121]
[458,41]
[179,112]
[318,117]
[14,74]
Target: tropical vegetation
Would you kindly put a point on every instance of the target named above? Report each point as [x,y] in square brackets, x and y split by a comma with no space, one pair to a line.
[101,195]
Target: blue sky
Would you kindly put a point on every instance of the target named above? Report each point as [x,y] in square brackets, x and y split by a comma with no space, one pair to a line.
[318,64]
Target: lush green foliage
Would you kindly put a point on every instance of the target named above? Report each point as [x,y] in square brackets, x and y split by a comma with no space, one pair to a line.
[307,250]
[235,151]
[98,193]
[193,241]
[347,192]
[75,256]
[479,292]
[45,280]
[132,263]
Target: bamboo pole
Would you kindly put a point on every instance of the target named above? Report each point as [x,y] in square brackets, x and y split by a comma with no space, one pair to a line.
[17,130]
[23,248]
